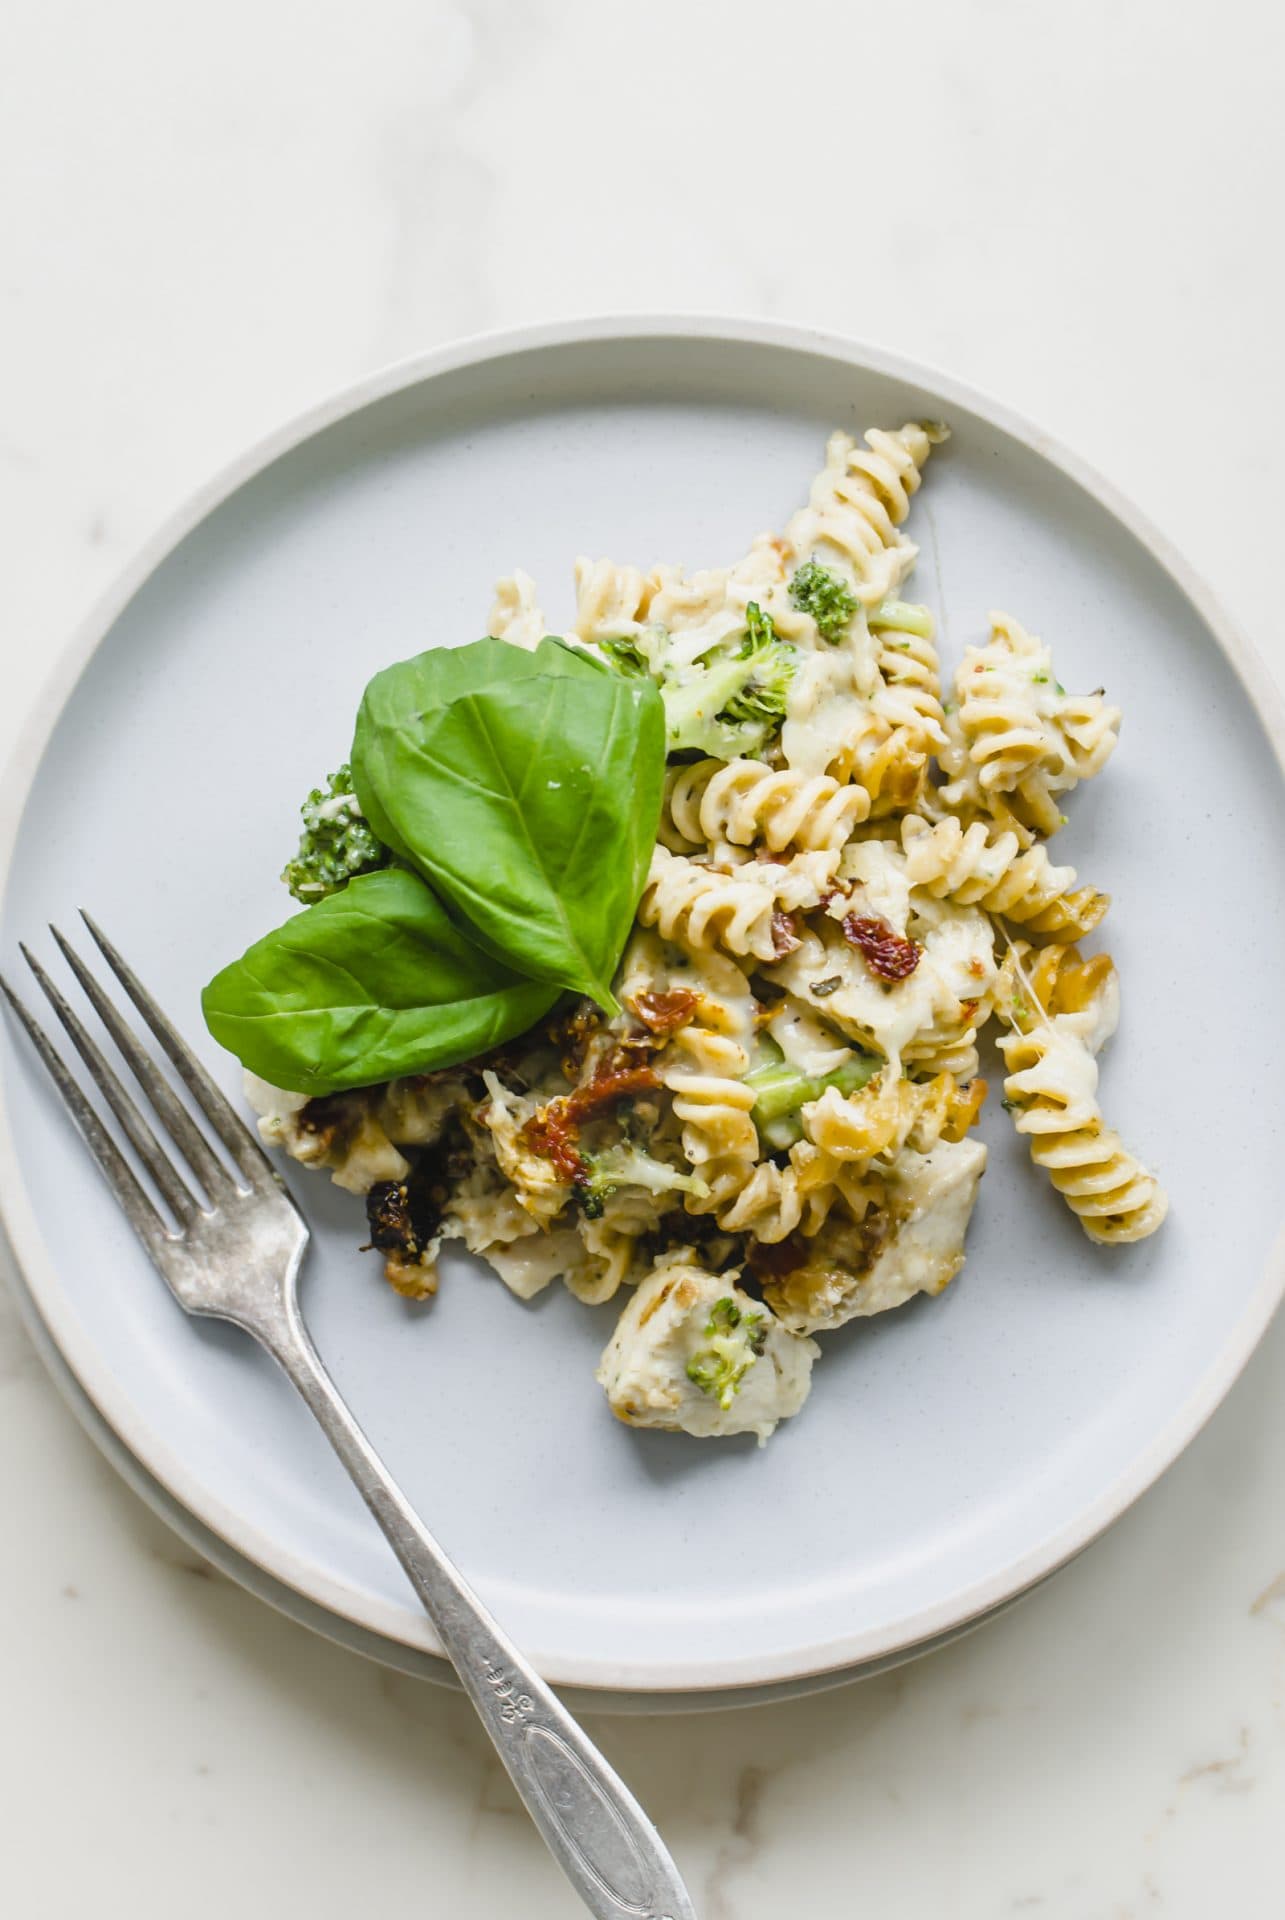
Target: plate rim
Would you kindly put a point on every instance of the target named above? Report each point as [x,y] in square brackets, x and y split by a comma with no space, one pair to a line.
[407,1625]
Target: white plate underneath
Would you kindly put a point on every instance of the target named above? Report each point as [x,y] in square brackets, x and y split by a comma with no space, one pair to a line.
[952,1453]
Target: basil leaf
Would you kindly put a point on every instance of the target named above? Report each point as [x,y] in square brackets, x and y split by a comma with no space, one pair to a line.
[373,982]
[527,788]
[405,697]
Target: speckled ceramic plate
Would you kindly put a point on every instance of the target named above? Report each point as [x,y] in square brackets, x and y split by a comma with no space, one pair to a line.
[951,1454]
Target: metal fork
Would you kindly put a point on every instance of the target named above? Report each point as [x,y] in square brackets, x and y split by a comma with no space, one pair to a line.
[235,1254]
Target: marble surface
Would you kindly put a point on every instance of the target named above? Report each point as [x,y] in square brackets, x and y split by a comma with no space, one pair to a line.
[218,215]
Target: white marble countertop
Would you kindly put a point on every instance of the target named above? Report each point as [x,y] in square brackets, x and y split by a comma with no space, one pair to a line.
[214,216]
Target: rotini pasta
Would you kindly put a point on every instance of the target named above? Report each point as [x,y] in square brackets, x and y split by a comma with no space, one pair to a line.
[775,1201]
[1059,1014]
[888,763]
[515,612]
[1017,740]
[888,1115]
[744,801]
[702,907]
[742,910]
[976,865]
[610,600]
[903,1234]
[703,1068]
[911,692]
[857,505]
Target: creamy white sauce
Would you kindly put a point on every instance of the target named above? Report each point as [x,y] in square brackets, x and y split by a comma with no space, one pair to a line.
[937,1190]
[956,965]
[827,703]
[805,1042]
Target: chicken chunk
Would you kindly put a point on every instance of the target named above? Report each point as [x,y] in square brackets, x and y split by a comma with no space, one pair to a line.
[913,1244]
[693,1353]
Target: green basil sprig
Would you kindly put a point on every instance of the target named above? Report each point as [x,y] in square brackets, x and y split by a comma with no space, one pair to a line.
[526,787]
[373,982]
[520,793]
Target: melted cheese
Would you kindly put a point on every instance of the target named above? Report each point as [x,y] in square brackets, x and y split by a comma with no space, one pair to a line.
[805,1041]
[956,968]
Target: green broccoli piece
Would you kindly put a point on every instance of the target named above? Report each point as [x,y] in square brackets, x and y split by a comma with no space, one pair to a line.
[780,1090]
[736,1340]
[905,616]
[629,1166]
[733,703]
[335,844]
[626,656]
[773,663]
[815,590]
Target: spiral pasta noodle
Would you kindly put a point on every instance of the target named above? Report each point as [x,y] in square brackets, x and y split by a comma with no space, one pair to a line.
[1060,1010]
[515,612]
[703,1068]
[888,1115]
[1016,739]
[776,1201]
[977,865]
[610,1258]
[884,761]
[610,600]
[1114,1196]
[741,801]
[911,693]
[701,906]
[858,502]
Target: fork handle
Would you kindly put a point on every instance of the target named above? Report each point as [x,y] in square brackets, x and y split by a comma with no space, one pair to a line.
[595,1829]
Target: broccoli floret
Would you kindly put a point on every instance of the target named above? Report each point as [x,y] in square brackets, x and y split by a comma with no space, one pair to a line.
[815,590]
[904,616]
[727,703]
[732,704]
[773,664]
[629,1166]
[780,1090]
[335,844]
[735,1340]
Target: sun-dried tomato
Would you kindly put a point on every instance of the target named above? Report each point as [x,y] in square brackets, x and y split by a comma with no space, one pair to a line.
[665,1013]
[888,954]
[785,935]
[554,1130]
[609,1085]
[552,1133]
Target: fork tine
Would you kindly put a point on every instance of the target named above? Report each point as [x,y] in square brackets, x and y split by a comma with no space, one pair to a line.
[142,1215]
[140,1135]
[240,1142]
[178,1122]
